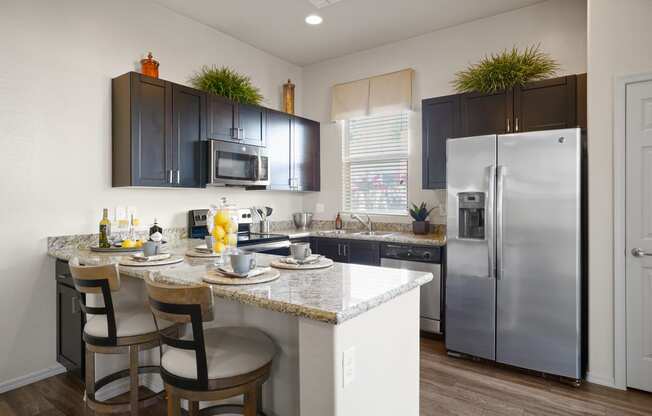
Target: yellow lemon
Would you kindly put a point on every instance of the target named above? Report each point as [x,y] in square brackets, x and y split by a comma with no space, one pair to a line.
[218,232]
[221,218]
[218,247]
[139,243]
[128,243]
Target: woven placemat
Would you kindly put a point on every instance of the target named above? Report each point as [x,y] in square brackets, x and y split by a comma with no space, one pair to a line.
[126,261]
[201,254]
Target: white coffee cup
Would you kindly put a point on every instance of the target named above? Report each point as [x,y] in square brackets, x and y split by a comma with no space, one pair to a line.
[300,251]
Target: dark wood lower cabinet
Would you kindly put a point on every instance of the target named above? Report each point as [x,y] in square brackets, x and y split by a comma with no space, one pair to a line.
[70,323]
[349,251]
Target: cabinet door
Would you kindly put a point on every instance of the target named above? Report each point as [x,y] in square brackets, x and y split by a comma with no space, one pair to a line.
[151,126]
[546,105]
[220,118]
[278,145]
[335,250]
[487,113]
[252,122]
[364,252]
[440,121]
[187,135]
[305,155]
[70,348]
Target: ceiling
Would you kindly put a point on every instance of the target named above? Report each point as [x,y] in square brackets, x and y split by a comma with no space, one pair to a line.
[278,27]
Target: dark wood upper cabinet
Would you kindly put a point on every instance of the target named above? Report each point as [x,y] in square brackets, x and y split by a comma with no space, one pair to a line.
[188,131]
[157,130]
[440,121]
[305,155]
[252,124]
[543,105]
[220,118]
[279,139]
[486,113]
[546,105]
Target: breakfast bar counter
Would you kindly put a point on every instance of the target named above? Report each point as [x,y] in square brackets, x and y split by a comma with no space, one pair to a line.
[337,354]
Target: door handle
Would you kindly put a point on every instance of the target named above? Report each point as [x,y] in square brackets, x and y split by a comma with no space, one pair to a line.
[509,125]
[178,177]
[500,173]
[516,124]
[491,247]
[170,176]
[639,252]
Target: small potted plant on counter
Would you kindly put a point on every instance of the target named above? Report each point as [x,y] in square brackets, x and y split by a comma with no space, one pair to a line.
[420,214]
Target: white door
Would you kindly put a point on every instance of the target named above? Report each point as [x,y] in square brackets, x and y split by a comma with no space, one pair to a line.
[639,235]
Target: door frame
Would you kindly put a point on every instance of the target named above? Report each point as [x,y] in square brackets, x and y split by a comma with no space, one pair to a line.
[620,213]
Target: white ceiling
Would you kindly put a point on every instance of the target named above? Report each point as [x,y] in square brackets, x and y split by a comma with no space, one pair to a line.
[278,27]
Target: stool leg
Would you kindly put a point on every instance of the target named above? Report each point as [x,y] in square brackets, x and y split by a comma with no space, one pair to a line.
[251,402]
[90,380]
[133,377]
[174,405]
[193,408]
[260,398]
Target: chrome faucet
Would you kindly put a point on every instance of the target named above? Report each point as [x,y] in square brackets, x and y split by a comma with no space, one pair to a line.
[367,224]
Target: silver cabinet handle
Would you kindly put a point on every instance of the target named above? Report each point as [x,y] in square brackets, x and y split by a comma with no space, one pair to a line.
[639,252]
[178,177]
[170,176]
[499,220]
[339,248]
[491,236]
[73,305]
[509,126]
[516,124]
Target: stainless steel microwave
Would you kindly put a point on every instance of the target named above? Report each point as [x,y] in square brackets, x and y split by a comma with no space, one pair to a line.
[237,164]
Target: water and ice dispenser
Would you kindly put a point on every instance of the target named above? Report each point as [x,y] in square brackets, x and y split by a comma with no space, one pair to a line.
[471,215]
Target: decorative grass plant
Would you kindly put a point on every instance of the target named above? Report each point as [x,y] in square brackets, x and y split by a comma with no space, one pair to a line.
[228,83]
[505,70]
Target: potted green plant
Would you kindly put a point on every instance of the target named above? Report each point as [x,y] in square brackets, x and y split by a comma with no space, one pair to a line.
[228,83]
[419,214]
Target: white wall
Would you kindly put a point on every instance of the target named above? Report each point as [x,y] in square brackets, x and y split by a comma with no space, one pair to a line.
[559,25]
[56,62]
[619,34]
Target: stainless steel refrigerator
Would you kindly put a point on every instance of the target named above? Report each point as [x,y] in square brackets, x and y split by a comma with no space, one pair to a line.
[514,265]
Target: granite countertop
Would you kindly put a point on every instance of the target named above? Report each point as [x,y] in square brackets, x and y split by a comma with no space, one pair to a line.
[438,238]
[331,295]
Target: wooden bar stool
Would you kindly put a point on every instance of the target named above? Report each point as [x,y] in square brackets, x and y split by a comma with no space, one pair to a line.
[211,365]
[115,331]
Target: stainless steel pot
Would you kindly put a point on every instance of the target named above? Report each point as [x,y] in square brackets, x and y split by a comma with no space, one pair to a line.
[302,220]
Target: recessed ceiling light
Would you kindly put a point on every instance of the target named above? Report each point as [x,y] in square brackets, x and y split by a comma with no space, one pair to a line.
[313,19]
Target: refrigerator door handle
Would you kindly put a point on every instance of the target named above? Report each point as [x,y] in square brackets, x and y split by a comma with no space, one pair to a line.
[500,183]
[491,215]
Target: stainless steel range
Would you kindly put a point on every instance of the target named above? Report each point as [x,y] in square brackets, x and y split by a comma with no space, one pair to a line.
[247,239]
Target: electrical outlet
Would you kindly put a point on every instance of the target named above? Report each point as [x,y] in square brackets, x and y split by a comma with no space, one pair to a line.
[348,366]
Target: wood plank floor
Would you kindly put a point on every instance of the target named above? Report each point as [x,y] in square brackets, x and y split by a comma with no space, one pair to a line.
[449,386]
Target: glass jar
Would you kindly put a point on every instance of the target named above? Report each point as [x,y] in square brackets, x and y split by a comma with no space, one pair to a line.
[224,228]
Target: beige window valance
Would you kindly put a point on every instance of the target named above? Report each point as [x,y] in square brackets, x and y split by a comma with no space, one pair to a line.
[382,94]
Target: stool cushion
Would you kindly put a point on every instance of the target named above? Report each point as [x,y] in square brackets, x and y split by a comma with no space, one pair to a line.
[129,321]
[230,351]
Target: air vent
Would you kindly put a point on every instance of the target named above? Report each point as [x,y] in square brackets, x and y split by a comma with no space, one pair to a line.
[320,4]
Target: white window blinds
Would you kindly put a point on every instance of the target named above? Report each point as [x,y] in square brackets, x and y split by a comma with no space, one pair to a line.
[375,162]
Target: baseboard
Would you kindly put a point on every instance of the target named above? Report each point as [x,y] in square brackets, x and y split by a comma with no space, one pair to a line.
[602,380]
[31,378]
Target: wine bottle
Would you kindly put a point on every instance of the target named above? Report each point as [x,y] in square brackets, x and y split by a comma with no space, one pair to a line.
[155,229]
[338,222]
[104,229]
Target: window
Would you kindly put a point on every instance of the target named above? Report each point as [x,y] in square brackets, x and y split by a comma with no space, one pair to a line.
[375,162]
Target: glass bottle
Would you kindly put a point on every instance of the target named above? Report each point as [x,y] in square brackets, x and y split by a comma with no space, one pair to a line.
[105,229]
[338,222]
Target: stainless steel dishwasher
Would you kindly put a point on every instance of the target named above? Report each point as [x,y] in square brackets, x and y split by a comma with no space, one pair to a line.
[423,259]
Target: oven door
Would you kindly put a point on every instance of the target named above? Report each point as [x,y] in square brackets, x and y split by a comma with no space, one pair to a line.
[237,164]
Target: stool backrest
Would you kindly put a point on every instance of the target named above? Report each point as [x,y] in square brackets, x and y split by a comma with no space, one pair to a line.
[101,280]
[183,304]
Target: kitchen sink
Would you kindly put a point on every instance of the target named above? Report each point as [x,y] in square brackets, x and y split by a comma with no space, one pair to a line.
[375,233]
[339,232]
